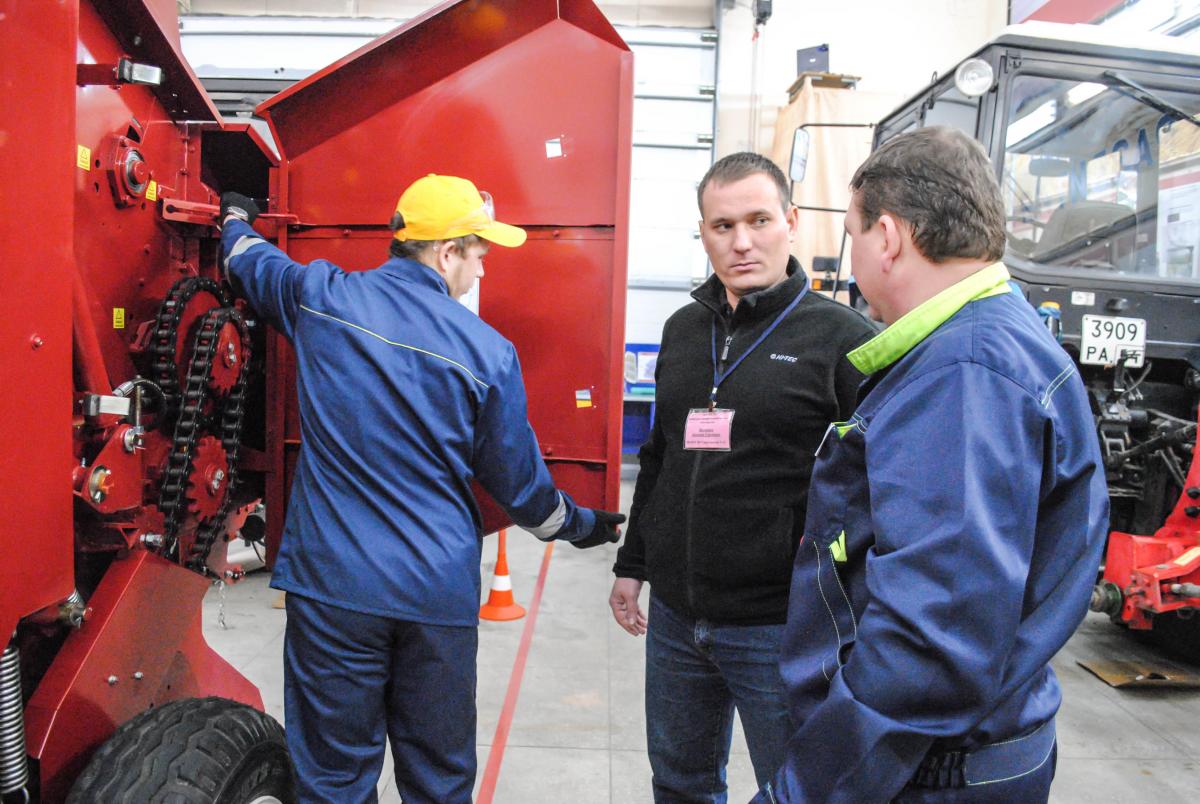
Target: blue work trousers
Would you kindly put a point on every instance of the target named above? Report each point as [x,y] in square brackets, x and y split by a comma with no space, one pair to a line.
[697,673]
[352,679]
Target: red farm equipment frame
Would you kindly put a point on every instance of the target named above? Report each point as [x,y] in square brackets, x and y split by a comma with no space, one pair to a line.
[148,416]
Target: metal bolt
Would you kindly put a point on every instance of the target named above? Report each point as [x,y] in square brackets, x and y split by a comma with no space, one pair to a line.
[152,540]
[232,354]
[139,675]
[112,681]
[99,484]
[36,342]
[218,476]
[132,439]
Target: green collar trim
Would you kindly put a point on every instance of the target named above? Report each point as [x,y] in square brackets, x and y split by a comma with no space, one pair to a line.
[919,323]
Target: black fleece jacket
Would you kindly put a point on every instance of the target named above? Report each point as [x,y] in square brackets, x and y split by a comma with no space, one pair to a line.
[715,533]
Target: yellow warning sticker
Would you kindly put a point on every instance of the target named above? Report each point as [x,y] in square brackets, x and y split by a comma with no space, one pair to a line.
[583,398]
[152,191]
[83,157]
[118,318]
[1188,557]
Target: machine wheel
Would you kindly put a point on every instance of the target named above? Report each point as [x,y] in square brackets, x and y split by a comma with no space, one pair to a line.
[194,751]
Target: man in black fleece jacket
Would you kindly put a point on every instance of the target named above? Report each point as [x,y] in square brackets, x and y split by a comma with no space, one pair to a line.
[749,377]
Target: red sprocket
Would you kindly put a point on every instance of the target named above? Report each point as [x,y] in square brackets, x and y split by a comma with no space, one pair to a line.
[208,482]
[228,359]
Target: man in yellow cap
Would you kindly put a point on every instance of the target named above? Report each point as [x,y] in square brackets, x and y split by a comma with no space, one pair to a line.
[405,398]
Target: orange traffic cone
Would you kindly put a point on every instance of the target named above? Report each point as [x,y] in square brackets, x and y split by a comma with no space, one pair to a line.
[500,604]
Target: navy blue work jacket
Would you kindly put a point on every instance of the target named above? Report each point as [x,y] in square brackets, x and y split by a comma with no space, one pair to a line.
[955,526]
[405,396]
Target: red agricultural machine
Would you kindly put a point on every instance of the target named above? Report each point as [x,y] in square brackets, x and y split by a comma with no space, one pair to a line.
[149,417]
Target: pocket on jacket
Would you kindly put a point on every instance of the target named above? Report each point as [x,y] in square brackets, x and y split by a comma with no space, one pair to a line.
[736,544]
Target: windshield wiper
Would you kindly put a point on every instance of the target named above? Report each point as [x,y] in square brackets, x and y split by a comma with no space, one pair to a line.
[1149,98]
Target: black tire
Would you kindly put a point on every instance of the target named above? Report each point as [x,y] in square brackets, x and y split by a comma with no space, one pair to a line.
[194,751]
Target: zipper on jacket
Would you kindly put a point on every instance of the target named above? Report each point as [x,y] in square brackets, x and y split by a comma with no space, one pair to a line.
[687,547]
[691,486]
[691,498]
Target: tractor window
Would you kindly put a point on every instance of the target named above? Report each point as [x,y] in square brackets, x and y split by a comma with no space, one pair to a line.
[1095,178]
[954,109]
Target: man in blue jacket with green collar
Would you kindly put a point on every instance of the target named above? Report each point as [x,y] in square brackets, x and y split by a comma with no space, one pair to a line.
[406,396]
[955,521]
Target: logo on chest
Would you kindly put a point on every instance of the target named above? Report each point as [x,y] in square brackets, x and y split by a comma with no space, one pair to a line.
[784,358]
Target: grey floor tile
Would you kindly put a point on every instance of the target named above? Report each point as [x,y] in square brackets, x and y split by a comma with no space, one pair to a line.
[1125,781]
[574,775]
[1092,723]
[627,708]
[629,777]
[578,731]
[559,709]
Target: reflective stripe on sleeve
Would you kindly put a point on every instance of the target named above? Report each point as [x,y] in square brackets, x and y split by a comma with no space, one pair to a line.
[243,243]
[553,523]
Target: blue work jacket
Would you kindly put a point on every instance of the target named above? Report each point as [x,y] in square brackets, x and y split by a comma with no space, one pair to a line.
[955,525]
[405,397]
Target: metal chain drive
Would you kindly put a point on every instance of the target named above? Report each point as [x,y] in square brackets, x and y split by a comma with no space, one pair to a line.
[191,404]
[164,344]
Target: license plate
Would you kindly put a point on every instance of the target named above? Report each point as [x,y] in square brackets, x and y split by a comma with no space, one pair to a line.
[1106,339]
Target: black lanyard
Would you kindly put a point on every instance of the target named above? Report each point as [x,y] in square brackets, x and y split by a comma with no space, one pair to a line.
[720,378]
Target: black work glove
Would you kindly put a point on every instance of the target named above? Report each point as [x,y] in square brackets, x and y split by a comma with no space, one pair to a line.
[604,531]
[239,206]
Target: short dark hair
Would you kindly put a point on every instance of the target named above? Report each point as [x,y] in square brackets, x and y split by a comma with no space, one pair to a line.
[412,249]
[941,183]
[736,167]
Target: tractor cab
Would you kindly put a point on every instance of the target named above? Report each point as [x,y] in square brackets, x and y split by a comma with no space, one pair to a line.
[1095,138]
[1096,143]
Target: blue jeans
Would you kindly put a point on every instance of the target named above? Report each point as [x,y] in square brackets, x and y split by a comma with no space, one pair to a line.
[350,679]
[697,672]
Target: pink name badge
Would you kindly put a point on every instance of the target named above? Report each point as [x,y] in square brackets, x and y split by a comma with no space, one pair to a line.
[708,429]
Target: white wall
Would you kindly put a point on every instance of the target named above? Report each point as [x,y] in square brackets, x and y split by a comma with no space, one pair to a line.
[894,46]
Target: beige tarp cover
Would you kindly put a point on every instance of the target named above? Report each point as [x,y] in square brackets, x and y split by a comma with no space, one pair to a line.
[832,158]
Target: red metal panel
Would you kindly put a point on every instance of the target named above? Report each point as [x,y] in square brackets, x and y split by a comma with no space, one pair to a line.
[148,30]
[480,90]
[37,161]
[431,47]
[490,123]
[146,619]
[127,260]
[617,289]
[86,258]
[542,317]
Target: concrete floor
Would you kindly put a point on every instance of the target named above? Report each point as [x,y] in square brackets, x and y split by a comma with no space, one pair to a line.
[577,733]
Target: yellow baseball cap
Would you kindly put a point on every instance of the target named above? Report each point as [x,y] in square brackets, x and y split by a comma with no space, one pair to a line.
[444,207]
